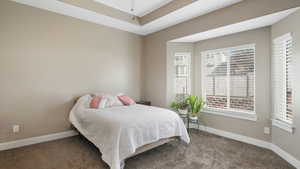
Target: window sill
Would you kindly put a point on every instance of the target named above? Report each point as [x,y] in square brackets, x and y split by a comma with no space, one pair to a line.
[233,114]
[283,125]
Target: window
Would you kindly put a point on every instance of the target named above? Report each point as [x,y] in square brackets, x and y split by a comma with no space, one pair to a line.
[228,81]
[282,86]
[182,75]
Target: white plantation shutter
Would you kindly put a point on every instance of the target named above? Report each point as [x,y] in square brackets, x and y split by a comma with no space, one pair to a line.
[215,78]
[242,78]
[282,79]
[289,75]
[228,79]
[182,63]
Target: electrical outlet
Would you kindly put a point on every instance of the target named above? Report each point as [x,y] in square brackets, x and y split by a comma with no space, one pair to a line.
[16,128]
[267,130]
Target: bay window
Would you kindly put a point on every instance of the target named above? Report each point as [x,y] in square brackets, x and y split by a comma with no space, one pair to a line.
[228,81]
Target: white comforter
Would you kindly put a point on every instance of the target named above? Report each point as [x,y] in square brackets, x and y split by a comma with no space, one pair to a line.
[119,131]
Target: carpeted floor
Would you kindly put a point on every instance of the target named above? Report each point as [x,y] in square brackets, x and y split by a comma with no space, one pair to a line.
[206,151]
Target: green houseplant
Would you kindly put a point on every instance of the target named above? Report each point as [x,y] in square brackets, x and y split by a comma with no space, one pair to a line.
[196,105]
[180,106]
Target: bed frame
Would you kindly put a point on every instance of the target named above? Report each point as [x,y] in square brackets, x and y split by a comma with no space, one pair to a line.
[153,145]
[147,146]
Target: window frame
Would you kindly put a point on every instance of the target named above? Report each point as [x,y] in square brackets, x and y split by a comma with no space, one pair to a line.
[240,114]
[189,71]
[277,122]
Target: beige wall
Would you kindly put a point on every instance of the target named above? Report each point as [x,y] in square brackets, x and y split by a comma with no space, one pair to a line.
[172,49]
[46,60]
[154,60]
[287,141]
[261,39]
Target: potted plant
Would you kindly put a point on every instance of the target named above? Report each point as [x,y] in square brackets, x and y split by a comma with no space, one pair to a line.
[196,105]
[181,107]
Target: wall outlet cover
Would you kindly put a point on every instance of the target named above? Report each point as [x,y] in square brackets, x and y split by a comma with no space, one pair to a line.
[267,130]
[16,128]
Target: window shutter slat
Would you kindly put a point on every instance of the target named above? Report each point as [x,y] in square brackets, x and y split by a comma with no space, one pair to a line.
[282,79]
[215,75]
[242,72]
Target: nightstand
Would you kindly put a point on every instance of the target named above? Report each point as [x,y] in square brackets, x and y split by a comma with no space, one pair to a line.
[147,103]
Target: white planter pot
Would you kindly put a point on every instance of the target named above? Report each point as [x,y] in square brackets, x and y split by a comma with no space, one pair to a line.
[182,111]
[194,117]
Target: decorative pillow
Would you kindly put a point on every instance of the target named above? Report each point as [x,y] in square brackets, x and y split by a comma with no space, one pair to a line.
[95,102]
[126,100]
[112,101]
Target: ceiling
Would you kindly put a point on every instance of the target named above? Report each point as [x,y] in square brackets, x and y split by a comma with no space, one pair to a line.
[178,11]
[197,8]
[141,7]
[251,24]
[156,15]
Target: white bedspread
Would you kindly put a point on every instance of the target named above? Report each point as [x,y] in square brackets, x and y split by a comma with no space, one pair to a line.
[119,131]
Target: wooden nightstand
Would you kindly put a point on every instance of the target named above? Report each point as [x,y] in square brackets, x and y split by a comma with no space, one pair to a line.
[147,103]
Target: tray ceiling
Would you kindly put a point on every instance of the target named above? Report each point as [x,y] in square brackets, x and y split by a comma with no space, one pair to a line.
[141,7]
[103,14]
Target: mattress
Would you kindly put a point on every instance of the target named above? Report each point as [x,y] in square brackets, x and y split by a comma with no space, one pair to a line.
[119,131]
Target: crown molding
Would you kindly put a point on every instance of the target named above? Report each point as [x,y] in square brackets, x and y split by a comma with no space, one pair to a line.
[121,22]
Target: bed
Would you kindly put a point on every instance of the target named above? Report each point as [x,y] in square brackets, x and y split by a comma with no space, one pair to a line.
[121,132]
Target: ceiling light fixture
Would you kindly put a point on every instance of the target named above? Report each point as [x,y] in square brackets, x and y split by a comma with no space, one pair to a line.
[132,9]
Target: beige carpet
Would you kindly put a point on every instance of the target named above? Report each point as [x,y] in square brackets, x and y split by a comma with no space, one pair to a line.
[206,151]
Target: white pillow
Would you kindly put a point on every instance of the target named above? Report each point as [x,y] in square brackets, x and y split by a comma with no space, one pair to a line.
[103,103]
[112,101]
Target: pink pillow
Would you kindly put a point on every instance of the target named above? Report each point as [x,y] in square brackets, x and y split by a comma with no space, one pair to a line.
[94,104]
[126,100]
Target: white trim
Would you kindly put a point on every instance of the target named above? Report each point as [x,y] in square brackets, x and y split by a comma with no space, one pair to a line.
[283,154]
[234,114]
[284,37]
[229,112]
[189,85]
[182,53]
[246,46]
[249,140]
[234,136]
[283,125]
[36,140]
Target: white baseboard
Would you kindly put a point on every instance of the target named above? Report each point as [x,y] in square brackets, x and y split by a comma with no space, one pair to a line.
[260,143]
[237,137]
[36,140]
[288,157]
